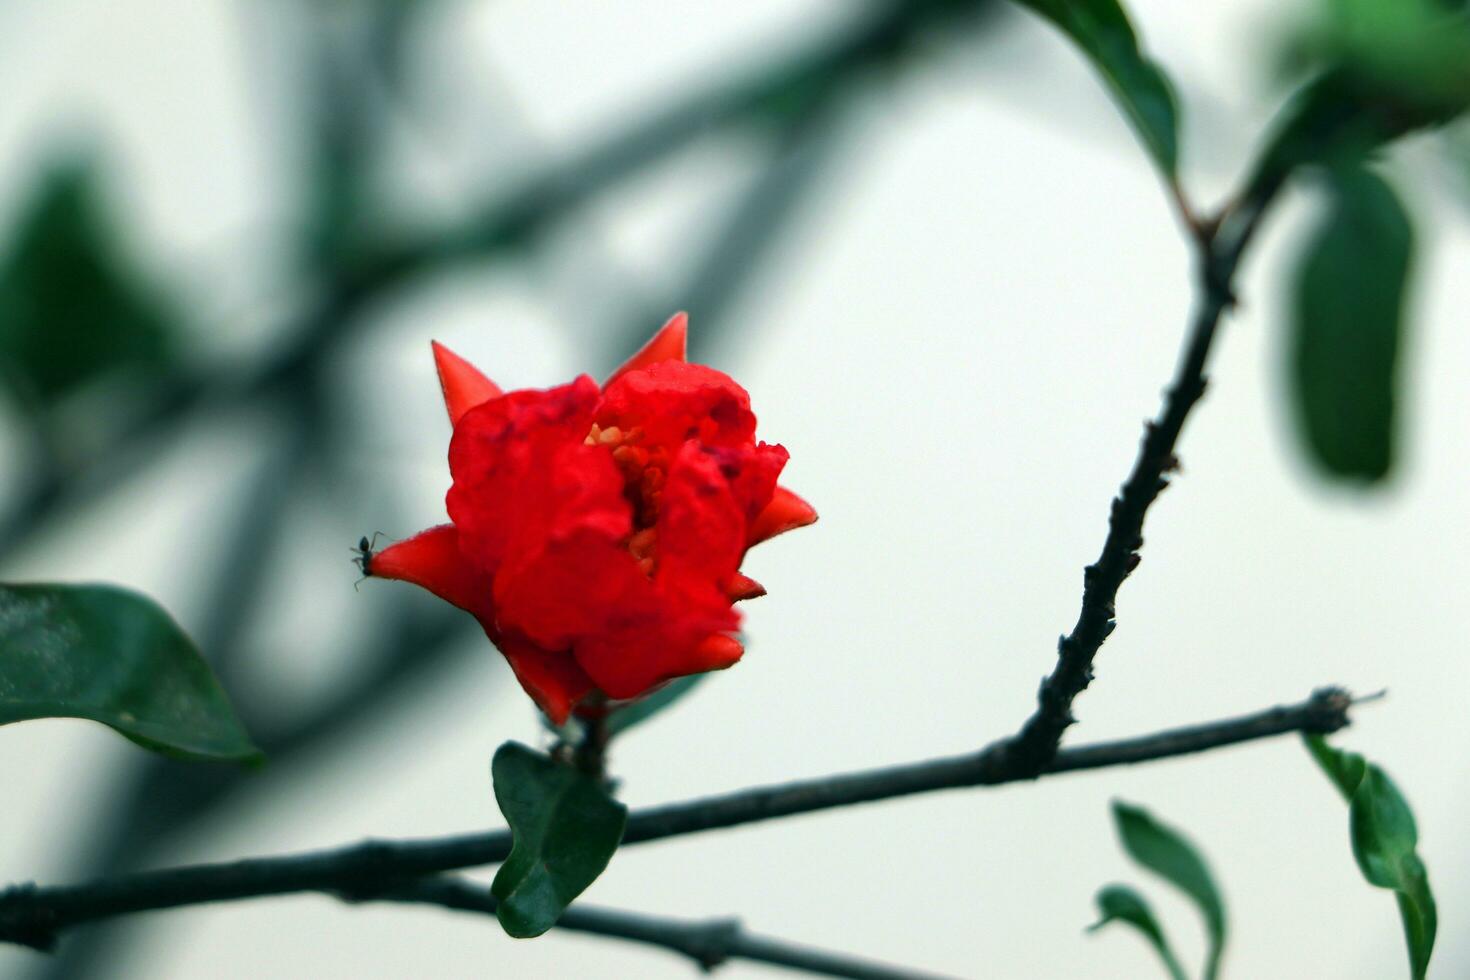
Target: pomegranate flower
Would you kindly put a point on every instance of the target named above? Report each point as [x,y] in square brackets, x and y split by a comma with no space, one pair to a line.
[597,533]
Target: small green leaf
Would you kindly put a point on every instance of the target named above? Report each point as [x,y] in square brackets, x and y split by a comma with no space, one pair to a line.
[1346,325]
[1102,30]
[646,707]
[1170,855]
[1384,840]
[565,828]
[72,305]
[112,656]
[1344,768]
[1119,903]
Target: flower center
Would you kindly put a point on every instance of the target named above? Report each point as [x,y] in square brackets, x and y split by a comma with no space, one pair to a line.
[643,473]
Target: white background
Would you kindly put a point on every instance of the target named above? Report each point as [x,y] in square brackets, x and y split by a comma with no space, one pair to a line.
[958,345]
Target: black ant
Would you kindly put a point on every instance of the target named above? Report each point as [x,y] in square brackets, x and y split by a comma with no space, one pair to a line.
[364,554]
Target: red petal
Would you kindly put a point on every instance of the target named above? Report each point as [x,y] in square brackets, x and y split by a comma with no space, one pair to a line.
[743,587]
[785,512]
[569,588]
[673,402]
[701,528]
[464,386]
[667,637]
[752,472]
[670,344]
[432,560]
[519,466]
[553,679]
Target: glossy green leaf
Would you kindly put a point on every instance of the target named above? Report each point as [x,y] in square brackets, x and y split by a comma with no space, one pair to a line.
[1102,30]
[72,304]
[1119,903]
[1385,841]
[1167,853]
[565,827]
[112,656]
[646,707]
[1346,325]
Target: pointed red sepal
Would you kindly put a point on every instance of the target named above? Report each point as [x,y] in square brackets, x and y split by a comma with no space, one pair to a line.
[670,344]
[785,512]
[432,560]
[718,651]
[464,386]
[744,587]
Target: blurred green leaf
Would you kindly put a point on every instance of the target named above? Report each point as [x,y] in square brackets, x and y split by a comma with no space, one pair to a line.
[1170,855]
[1377,70]
[646,707]
[1384,840]
[71,306]
[1119,903]
[1344,768]
[565,829]
[1346,325]
[112,656]
[1102,30]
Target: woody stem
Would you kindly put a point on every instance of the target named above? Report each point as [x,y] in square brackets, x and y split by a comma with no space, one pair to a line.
[590,753]
[35,916]
[1219,246]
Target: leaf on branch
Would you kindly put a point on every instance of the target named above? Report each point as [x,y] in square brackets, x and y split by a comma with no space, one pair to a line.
[622,719]
[113,656]
[1384,840]
[1169,854]
[1102,30]
[1379,71]
[1119,903]
[72,306]
[565,829]
[1347,319]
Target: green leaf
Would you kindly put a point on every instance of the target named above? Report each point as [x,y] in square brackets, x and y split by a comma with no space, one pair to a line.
[565,829]
[646,707]
[1170,855]
[1385,840]
[1345,769]
[1379,70]
[72,306]
[1119,903]
[1101,29]
[1346,324]
[112,656]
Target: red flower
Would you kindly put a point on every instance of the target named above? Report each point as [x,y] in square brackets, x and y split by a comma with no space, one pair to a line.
[597,533]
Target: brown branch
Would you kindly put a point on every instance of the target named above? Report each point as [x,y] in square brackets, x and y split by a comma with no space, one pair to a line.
[34,916]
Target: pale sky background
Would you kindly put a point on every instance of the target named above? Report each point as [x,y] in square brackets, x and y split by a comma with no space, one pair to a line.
[958,344]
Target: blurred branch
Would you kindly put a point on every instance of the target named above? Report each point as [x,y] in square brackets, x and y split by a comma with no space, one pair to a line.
[804,148]
[34,916]
[371,274]
[1219,246]
[709,944]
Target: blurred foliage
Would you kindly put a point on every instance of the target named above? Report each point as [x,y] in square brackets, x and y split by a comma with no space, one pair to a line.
[1385,843]
[113,656]
[1346,326]
[1170,855]
[1374,70]
[1119,903]
[73,308]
